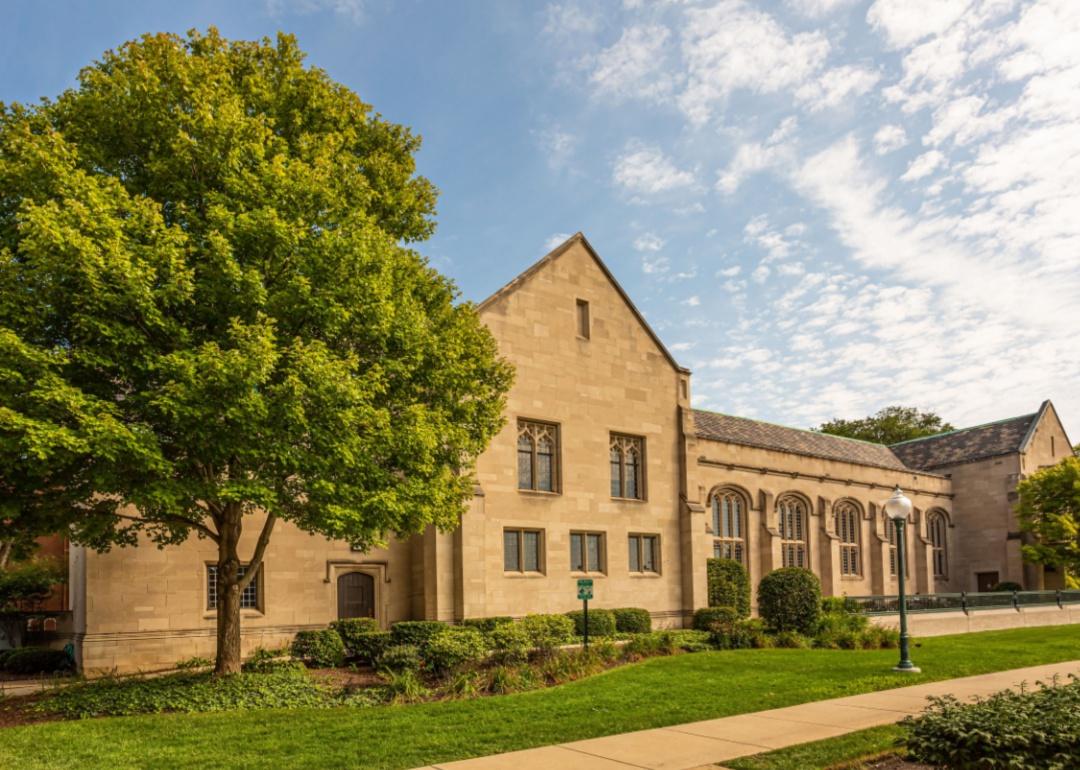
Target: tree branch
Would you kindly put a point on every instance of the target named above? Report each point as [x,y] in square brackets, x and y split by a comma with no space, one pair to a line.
[260,549]
[168,517]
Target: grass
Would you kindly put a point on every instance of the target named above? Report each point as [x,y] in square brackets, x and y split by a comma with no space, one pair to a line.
[654,693]
[845,751]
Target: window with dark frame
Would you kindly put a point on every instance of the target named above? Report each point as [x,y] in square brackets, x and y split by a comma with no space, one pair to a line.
[627,457]
[587,552]
[523,550]
[792,514]
[937,527]
[249,597]
[538,456]
[890,532]
[727,524]
[584,329]
[847,529]
[644,553]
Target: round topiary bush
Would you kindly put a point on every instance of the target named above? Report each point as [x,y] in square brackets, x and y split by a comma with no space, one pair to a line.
[454,648]
[398,658]
[546,632]
[350,629]
[632,620]
[368,647]
[321,649]
[707,617]
[601,622]
[511,643]
[789,599]
[729,585]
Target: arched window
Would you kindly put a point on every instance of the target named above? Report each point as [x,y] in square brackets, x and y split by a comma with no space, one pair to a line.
[936,527]
[728,510]
[847,529]
[792,513]
[626,454]
[538,458]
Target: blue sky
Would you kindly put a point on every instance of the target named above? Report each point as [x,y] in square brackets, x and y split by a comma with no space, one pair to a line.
[822,206]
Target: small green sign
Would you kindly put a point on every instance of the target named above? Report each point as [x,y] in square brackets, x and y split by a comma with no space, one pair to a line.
[584,588]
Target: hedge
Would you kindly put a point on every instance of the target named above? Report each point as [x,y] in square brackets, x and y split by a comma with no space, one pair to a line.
[487,625]
[729,585]
[322,648]
[546,632]
[632,620]
[707,617]
[601,622]
[36,660]
[789,599]
[369,647]
[454,648]
[349,629]
[416,632]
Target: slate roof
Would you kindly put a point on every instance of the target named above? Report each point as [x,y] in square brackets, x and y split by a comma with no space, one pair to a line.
[968,444]
[766,435]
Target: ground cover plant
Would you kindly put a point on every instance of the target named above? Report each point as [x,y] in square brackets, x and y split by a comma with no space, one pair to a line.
[710,684]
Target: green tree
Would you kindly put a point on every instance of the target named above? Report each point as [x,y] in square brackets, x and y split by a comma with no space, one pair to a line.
[210,318]
[1049,509]
[890,425]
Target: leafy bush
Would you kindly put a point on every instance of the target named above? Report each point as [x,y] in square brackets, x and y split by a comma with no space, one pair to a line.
[729,585]
[840,630]
[650,645]
[507,679]
[186,692]
[690,640]
[487,625]
[838,604]
[4,656]
[604,651]
[349,629]
[546,632]
[511,643]
[195,661]
[789,599]
[791,640]
[632,620]
[36,660]
[404,686]
[707,616]
[1029,730]
[415,632]
[601,622]
[322,648]
[1007,585]
[454,648]
[739,634]
[879,638]
[368,647]
[398,658]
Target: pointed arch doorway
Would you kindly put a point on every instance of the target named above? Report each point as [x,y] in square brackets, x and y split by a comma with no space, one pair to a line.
[356,595]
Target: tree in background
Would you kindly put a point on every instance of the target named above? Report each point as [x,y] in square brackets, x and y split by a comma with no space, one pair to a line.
[1049,508]
[890,425]
[209,318]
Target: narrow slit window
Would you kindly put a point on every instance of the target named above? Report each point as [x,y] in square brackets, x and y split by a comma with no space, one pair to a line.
[583,325]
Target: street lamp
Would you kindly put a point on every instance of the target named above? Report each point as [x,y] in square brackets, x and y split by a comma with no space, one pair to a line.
[898,508]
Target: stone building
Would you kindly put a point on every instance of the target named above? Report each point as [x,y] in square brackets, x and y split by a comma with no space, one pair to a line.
[603,470]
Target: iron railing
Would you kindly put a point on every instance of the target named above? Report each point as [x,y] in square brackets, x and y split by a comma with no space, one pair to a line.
[964,601]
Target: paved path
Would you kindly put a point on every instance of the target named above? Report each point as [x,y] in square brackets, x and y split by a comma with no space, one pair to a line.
[700,745]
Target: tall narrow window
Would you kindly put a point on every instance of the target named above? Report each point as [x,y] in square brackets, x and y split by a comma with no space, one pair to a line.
[627,466]
[583,324]
[890,532]
[249,597]
[587,552]
[847,529]
[937,529]
[538,456]
[792,514]
[644,553]
[522,550]
[727,525]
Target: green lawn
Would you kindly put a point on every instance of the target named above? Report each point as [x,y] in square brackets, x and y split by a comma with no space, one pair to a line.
[655,693]
[820,755]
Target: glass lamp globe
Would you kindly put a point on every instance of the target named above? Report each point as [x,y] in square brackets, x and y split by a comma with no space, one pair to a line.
[898,507]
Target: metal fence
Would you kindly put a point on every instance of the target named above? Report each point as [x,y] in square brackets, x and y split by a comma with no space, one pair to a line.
[964,601]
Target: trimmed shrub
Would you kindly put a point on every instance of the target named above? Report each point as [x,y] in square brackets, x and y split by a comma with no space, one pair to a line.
[879,638]
[322,649]
[350,628]
[839,605]
[789,599]
[415,632]
[36,660]
[739,634]
[840,630]
[511,643]
[650,645]
[398,658]
[546,632]
[729,585]
[601,622]
[368,647]
[689,640]
[453,648]
[791,640]
[707,616]
[632,620]
[1007,586]
[1031,730]
[487,625]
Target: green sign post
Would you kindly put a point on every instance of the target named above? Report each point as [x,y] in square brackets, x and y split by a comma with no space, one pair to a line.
[584,592]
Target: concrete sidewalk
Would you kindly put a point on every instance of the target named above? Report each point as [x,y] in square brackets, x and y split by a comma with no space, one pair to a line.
[704,744]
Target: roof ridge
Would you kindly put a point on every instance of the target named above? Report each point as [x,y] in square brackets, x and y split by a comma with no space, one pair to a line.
[792,427]
[963,430]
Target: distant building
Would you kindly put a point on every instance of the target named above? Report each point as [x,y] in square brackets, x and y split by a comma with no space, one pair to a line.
[602,470]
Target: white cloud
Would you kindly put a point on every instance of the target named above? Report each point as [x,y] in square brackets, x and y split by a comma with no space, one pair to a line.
[655,266]
[753,157]
[558,146]
[555,239]
[634,65]
[568,19]
[924,165]
[646,170]
[889,138]
[353,10]
[836,85]
[729,272]
[903,22]
[648,242]
[818,8]
[692,301]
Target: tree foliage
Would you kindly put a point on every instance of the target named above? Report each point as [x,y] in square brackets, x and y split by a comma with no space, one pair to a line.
[208,311]
[1049,508]
[890,425]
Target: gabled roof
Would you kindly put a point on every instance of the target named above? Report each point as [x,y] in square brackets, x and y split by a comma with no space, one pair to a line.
[970,444]
[766,435]
[557,252]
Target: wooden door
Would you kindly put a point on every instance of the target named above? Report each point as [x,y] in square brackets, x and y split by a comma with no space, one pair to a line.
[356,595]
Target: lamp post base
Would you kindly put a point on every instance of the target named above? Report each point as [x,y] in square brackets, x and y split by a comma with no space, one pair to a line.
[908,669]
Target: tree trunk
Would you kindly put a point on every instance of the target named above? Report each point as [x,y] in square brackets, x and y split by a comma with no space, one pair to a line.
[228,594]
